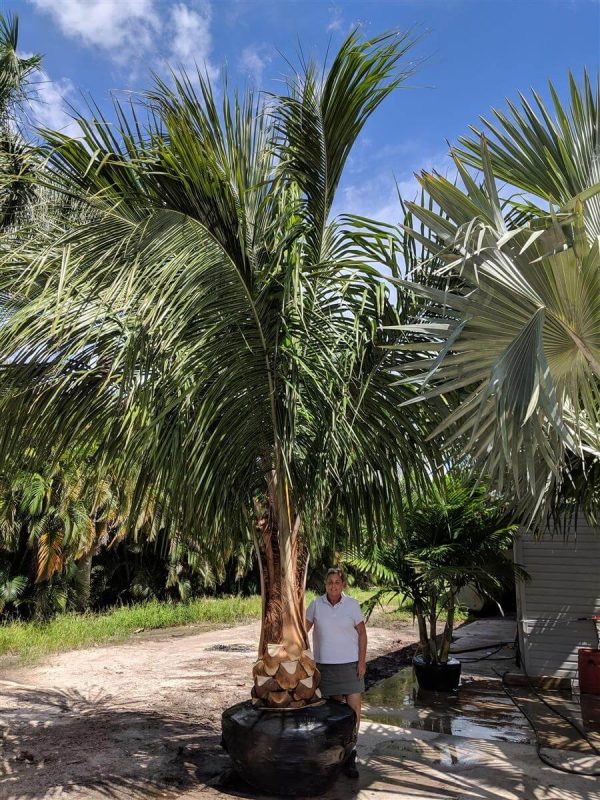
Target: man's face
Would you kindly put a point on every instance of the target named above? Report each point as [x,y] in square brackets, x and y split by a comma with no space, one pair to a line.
[334,586]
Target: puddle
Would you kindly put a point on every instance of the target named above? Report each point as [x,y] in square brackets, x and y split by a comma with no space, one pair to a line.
[396,691]
[487,714]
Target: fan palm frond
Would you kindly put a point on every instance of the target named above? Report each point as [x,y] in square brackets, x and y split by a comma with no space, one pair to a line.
[519,341]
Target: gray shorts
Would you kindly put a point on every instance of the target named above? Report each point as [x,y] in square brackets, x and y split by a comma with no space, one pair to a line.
[340,679]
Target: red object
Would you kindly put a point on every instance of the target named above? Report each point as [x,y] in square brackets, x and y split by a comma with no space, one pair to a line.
[589,670]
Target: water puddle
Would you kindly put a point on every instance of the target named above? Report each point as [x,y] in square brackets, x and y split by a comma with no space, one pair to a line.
[479,710]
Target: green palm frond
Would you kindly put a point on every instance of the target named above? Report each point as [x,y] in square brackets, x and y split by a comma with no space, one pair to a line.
[11,589]
[321,118]
[14,69]
[188,306]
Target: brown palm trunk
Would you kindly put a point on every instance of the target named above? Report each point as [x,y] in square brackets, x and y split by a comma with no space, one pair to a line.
[83,582]
[285,674]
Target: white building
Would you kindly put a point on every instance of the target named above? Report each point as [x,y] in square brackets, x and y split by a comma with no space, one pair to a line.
[564,587]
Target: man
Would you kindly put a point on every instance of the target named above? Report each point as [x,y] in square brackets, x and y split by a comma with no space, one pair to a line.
[340,647]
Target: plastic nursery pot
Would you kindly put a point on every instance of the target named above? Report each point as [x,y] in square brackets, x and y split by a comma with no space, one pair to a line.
[437,677]
[289,752]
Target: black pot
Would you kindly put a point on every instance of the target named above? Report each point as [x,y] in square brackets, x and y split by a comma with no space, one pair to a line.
[437,677]
[293,752]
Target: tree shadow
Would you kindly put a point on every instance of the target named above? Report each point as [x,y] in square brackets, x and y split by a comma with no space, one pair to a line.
[67,743]
[441,768]
[71,744]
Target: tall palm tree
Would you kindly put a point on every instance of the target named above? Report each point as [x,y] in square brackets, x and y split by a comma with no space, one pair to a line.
[16,164]
[513,339]
[210,323]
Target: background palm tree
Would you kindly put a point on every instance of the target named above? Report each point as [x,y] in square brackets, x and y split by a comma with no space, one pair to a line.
[52,521]
[208,321]
[16,162]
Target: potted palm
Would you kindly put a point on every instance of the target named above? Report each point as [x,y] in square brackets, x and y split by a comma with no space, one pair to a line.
[454,536]
[183,297]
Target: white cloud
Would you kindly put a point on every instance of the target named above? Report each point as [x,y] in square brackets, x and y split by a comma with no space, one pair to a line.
[123,29]
[191,44]
[49,102]
[336,20]
[254,59]
[377,196]
[139,32]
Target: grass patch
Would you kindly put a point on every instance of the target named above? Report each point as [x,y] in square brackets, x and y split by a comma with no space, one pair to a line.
[33,640]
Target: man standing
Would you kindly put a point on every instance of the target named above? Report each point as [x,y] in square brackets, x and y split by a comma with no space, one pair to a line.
[340,647]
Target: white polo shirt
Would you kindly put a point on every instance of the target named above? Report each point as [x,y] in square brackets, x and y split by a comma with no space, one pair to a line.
[335,639]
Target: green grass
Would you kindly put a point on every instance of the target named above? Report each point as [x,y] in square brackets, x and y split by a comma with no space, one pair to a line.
[31,641]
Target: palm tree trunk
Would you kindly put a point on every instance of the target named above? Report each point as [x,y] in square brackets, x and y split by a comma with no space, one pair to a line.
[285,674]
[83,579]
[433,629]
[423,637]
[448,628]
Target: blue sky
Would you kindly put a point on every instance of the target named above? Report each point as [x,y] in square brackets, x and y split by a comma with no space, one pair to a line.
[472,54]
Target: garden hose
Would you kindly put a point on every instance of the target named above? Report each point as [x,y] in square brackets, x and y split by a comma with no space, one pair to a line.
[499,645]
[541,756]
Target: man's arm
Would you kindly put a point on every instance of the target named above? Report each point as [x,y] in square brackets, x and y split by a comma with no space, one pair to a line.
[361,629]
[308,624]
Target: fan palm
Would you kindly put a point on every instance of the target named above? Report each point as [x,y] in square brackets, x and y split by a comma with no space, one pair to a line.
[209,323]
[512,342]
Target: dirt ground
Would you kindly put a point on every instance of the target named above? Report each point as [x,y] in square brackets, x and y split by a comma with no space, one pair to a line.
[139,719]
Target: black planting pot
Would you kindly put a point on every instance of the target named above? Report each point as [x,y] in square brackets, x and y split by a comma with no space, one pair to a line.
[289,752]
[437,677]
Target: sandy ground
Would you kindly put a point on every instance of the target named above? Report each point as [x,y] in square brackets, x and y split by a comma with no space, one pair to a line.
[140,719]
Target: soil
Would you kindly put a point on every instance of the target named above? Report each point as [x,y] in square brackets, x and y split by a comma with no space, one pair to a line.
[139,719]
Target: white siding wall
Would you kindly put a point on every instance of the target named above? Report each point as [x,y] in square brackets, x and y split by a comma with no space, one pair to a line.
[564,585]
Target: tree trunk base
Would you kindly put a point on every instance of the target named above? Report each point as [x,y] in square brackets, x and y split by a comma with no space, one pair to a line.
[289,752]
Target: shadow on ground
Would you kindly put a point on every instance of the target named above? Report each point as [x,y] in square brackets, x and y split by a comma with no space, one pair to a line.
[425,766]
[63,743]
[389,664]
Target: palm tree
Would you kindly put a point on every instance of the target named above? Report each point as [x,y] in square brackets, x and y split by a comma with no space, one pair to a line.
[16,165]
[52,521]
[455,535]
[210,323]
[512,340]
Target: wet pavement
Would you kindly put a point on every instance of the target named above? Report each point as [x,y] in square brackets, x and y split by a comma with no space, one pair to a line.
[498,736]
[480,709]
[487,707]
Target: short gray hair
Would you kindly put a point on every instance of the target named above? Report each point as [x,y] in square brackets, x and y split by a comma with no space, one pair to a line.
[336,571]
